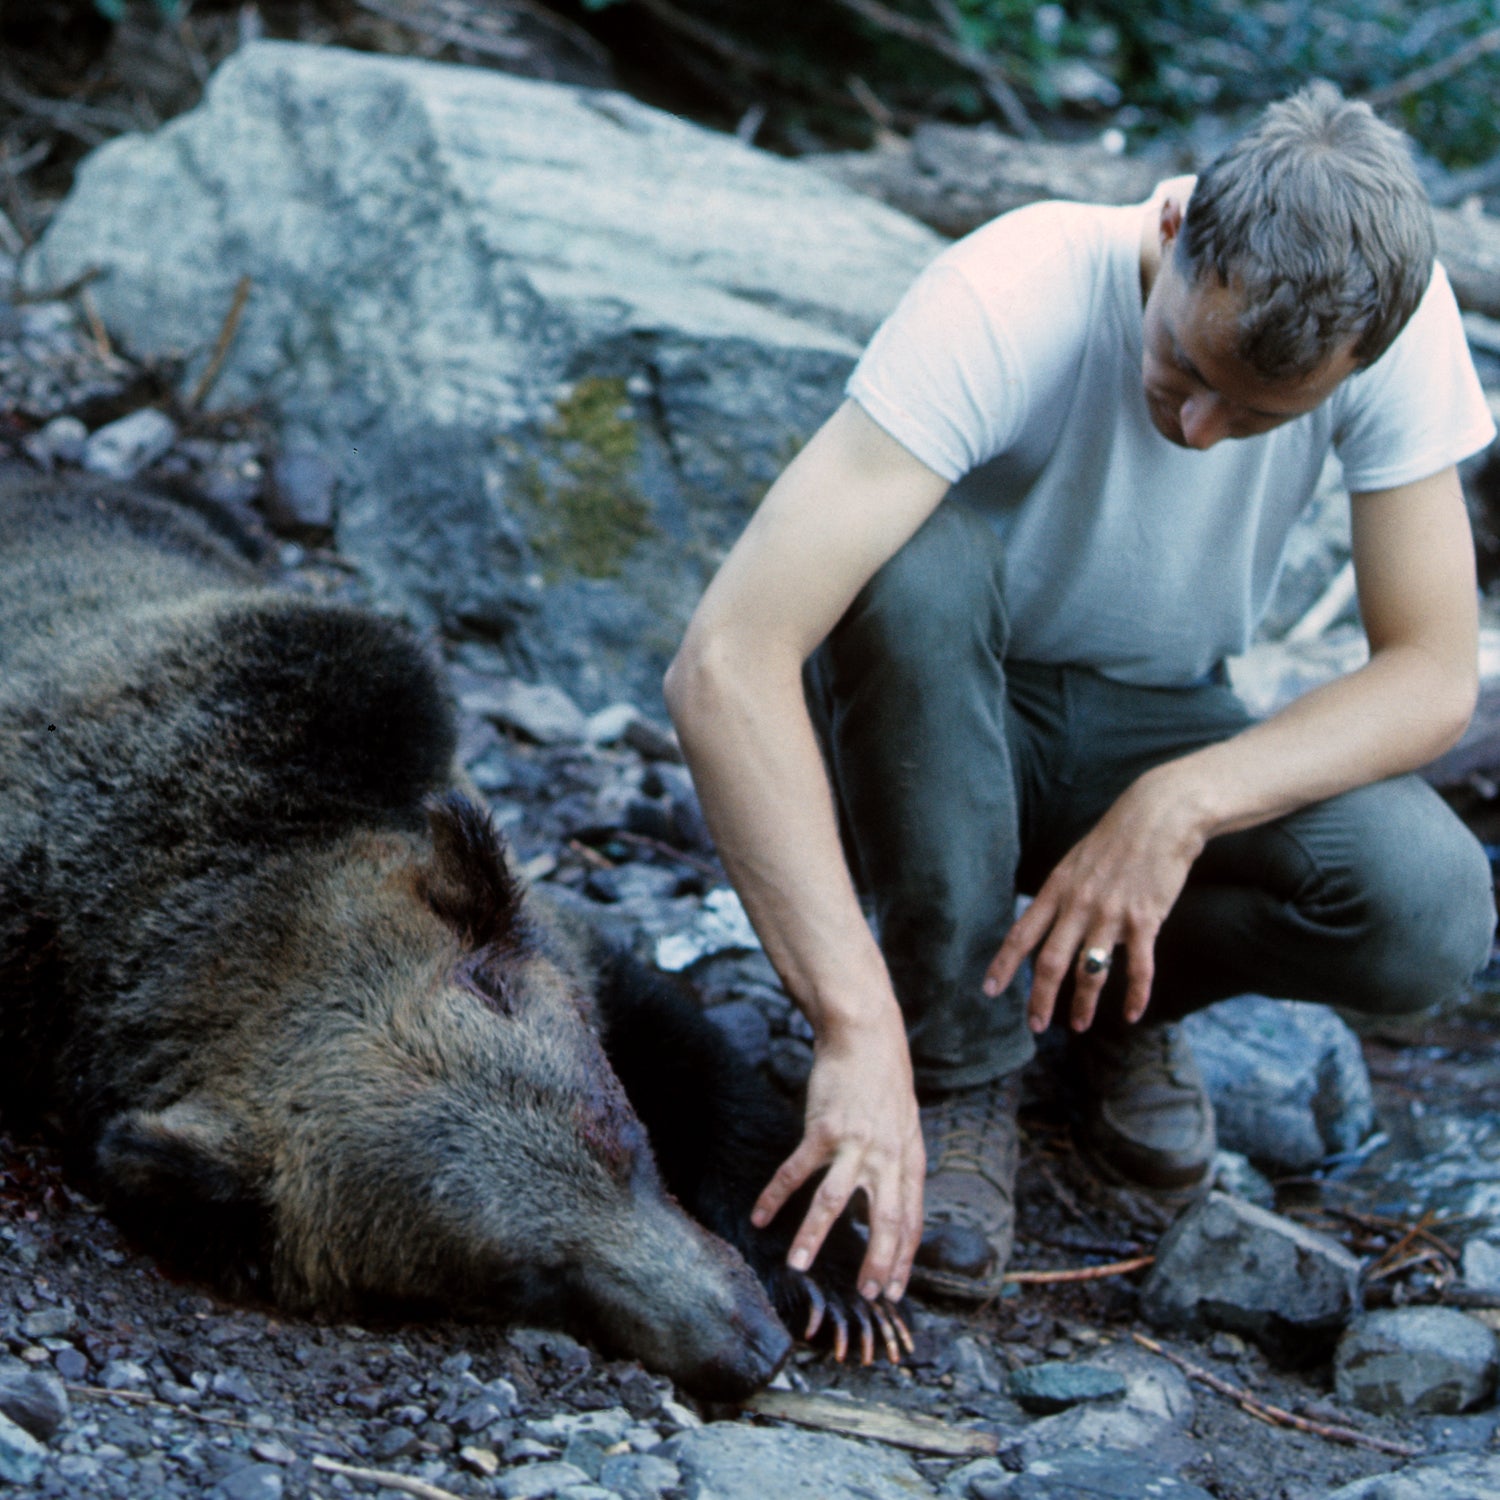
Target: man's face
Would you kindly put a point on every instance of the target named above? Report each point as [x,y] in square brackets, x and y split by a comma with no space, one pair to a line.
[1198,390]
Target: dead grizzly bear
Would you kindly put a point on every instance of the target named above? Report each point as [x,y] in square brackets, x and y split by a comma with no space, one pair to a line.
[305,1029]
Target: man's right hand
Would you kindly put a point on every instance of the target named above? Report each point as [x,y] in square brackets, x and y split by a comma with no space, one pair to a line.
[862,1125]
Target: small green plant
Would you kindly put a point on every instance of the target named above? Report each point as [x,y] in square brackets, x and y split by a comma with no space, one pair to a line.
[114,10]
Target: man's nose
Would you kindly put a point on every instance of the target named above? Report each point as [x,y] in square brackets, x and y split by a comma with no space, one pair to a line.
[1204,418]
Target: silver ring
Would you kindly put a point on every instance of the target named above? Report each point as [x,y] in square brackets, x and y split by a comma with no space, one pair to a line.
[1096,960]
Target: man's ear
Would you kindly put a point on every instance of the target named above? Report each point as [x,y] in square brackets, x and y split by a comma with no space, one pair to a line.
[1169,224]
[192,1151]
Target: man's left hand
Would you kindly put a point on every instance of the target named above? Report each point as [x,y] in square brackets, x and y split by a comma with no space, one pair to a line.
[1111,891]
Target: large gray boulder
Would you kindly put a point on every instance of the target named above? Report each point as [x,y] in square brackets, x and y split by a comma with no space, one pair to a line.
[553,342]
[1228,1265]
[1288,1080]
[1406,1361]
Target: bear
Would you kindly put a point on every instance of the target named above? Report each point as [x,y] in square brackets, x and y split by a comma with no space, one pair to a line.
[305,1031]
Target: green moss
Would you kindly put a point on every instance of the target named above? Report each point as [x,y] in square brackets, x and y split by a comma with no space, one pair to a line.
[590,513]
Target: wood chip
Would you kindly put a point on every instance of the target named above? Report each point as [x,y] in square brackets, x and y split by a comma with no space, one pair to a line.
[886,1424]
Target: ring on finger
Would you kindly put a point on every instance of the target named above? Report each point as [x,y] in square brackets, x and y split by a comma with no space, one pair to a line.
[1097,960]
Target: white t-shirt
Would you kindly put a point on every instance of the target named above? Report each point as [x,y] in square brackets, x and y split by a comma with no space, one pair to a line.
[1012,368]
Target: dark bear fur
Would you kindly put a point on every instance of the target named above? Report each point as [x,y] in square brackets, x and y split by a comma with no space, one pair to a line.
[297,1015]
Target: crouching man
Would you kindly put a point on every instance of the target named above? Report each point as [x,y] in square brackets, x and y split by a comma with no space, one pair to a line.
[1013,564]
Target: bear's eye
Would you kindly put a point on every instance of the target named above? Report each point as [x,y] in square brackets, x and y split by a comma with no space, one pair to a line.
[483,974]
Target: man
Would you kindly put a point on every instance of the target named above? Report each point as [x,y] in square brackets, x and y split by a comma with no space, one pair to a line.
[1017,556]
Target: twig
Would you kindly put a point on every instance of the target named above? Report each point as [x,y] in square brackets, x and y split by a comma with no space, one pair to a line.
[386,1477]
[1421,1230]
[221,348]
[60,293]
[101,1393]
[1421,78]
[894,23]
[97,331]
[591,856]
[660,846]
[1388,1268]
[1276,1415]
[1080,1273]
[708,38]
[448,32]
[1002,95]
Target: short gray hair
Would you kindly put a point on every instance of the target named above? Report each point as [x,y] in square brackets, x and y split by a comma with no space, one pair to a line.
[1318,218]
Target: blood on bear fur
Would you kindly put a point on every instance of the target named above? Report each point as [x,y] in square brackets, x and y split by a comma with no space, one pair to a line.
[302,1024]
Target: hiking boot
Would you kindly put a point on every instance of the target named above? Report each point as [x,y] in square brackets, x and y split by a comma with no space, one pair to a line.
[1145,1118]
[970,1218]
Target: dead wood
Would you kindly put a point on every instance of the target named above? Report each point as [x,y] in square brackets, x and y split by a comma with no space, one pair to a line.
[1277,1416]
[387,1478]
[868,1419]
[1080,1273]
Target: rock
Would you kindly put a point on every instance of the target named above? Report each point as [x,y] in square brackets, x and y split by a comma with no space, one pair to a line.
[537,710]
[48,1323]
[639,1476]
[1228,1264]
[538,1481]
[735,1462]
[124,1375]
[21,1456]
[554,342]
[746,1028]
[1463,1476]
[1084,1473]
[1481,1265]
[1410,1361]
[1234,1174]
[61,441]
[251,1482]
[984,1479]
[301,493]
[1287,1079]
[1055,1386]
[120,450]
[33,1399]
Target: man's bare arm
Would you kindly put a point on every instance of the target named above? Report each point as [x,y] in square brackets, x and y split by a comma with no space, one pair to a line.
[844,506]
[1414,561]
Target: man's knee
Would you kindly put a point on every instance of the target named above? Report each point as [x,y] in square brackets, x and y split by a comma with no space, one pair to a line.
[1428,906]
[939,589]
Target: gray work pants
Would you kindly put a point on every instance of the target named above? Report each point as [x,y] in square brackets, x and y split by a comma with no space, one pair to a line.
[963,776]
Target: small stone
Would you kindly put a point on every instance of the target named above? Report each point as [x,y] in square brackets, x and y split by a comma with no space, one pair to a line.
[301,493]
[33,1399]
[483,1461]
[48,1323]
[537,710]
[395,1442]
[1053,1387]
[120,450]
[252,1482]
[124,1375]
[235,1385]
[984,1479]
[21,1456]
[1481,1265]
[1416,1361]
[474,1416]
[59,442]
[539,1481]
[679,1415]
[70,1363]
[273,1451]
[608,726]
[651,740]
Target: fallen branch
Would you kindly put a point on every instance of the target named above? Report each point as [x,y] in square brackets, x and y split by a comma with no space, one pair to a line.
[1278,1416]
[960,53]
[1080,1273]
[1422,78]
[450,31]
[387,1477]
[869,1420]
[227,332]
[103,1393]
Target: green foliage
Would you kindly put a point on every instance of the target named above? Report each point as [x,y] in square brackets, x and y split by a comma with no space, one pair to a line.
[1173,59]
[114,10]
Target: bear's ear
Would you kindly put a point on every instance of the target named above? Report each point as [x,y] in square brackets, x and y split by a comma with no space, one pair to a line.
[468,883]
[190,1152]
